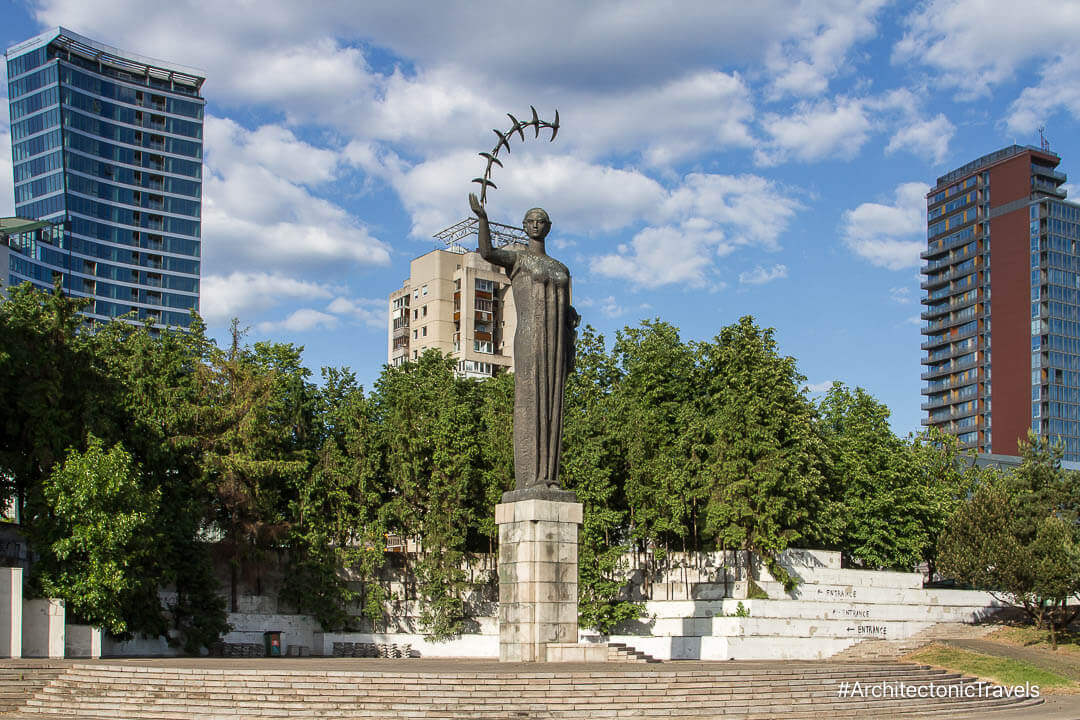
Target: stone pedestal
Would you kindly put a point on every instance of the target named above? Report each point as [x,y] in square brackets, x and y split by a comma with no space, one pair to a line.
[538,576]
[11,605]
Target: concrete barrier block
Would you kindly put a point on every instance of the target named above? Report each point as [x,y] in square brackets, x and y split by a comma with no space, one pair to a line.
[11,609]
[82,641]
[43,628]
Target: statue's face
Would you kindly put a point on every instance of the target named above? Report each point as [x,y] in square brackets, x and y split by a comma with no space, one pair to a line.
[536,224]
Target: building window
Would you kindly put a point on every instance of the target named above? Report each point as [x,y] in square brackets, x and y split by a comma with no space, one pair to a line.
[484,285]
[482,346]
[424,333]
[414,336]
[423,290]
[424,311]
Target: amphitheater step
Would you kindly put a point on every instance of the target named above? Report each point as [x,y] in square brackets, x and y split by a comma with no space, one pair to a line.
[872,650]
[19,681]
[464,689]
[621,652]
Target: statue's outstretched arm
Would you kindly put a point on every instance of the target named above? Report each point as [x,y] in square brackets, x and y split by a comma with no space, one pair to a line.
[494,255]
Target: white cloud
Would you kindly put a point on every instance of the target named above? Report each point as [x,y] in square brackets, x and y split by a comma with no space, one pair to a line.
[820,387]
[901,295]
[240,294]
[705,217]
[663,256]
[257,210]
[976,44]
[815,131]
[366,311]
[590,198]
[823,32]
[302,320]
[890,236]
[1057,89]
[928,139]
[761,275]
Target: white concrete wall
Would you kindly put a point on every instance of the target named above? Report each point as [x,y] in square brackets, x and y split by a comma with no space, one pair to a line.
[463,646]
[138,647]
[295,629]
[82,641]
[11,607]
[43,628]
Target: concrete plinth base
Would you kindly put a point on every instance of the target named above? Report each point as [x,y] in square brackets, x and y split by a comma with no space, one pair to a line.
[538,577]
[11,606]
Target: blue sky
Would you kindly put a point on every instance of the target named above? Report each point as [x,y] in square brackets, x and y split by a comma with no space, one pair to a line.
[715,160]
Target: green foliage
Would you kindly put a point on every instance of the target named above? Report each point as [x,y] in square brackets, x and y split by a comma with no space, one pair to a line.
[893,497]
[767,454]
[670,446]
[590,467]
[1018,536]
[741,610]
[94,536]
[755,592]
[428,433]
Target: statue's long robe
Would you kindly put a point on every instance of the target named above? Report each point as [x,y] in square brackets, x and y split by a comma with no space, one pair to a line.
[543,357]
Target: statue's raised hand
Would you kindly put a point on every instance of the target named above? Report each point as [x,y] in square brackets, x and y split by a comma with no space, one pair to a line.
[477,208]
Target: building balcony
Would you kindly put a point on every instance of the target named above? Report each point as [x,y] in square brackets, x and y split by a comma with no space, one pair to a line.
[483,336]
[1049,172]
[402,331]
[944,340]
[949,368]
[944,308]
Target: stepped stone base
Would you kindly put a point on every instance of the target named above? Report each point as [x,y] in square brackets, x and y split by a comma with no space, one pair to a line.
[538,574]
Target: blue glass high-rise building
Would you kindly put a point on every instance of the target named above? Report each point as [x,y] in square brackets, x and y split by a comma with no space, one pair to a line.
[109,144]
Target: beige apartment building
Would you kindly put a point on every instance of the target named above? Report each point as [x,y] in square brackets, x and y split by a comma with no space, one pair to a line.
[456,302]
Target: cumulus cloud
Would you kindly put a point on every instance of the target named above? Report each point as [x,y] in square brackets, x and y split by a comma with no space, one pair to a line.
[976,44]
[901,295]
[761,275]
[822,34]
[928,139]
[370,312]
[302,320]
[820,387]
[890,236]
[241,294]
[1057,90]
[815,131]
[257,209]
[705,217]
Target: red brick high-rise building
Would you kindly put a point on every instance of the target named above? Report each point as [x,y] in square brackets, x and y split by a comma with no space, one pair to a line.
[1002,282]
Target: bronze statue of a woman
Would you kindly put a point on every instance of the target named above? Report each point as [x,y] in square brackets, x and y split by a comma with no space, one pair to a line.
[543,353]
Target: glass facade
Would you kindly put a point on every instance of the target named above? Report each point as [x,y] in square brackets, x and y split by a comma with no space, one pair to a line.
[109,145]
[1055,322]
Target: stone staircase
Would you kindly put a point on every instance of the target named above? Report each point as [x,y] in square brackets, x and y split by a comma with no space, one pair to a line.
[308,689]
[621,652]
[19,681]
[881,650]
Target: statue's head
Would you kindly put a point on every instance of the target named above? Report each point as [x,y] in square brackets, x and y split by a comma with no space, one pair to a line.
[536,224]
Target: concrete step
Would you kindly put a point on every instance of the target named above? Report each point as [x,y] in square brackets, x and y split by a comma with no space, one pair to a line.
[621,652]
[745,690]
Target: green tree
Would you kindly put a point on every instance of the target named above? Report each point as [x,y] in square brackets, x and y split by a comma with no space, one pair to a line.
[653,399]
[1017,536]
[94,536]
[767,455]
[337,538]
[893,496]
[496,446]
[590,466]
[428,429]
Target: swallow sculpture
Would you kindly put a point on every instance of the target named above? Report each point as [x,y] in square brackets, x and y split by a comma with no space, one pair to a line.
[517,126]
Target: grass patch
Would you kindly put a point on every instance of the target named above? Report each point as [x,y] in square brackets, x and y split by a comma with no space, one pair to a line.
[1002,671]
[1031,636]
